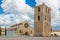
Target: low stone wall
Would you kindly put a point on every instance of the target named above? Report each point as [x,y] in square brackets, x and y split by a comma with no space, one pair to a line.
[29,38]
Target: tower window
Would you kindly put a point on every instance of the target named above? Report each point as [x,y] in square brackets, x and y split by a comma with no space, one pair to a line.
[31,31]
[20,31]
[38,18]
[38,9]
[46,10]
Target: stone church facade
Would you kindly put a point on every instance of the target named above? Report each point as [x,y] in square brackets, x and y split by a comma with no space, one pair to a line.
[22,29]
[25,29]
[42,20]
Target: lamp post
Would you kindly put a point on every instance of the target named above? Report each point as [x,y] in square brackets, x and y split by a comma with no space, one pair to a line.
[5,31]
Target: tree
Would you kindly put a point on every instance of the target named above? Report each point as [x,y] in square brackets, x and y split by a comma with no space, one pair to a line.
[0,30]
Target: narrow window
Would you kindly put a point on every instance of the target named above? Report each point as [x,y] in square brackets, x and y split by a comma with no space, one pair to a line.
[46,10]
[38,9]
[20,31]
[31,31]
[38,18]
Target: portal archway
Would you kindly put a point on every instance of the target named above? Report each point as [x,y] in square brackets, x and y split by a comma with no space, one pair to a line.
[26,33]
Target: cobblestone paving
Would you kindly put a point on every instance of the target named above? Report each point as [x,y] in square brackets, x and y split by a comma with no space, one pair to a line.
[29,38]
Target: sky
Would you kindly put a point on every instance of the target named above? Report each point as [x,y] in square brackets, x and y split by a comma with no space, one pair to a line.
[16,11]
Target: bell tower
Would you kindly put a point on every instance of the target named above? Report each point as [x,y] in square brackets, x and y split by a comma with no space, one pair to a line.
[42,20]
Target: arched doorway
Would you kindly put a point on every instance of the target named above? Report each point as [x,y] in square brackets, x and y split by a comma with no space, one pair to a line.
[26,33]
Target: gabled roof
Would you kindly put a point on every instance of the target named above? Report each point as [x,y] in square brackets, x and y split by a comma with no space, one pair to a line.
[14,27]
[16,24]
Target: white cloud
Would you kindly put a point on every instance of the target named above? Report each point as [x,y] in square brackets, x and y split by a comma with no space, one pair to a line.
[8,19]
[19,8]
[16,6]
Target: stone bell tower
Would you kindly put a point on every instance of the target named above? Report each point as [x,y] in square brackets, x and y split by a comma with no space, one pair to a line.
[42,20]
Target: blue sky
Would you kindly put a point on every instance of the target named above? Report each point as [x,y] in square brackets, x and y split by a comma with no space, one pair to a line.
[32,3]
[1,9]
[18,10]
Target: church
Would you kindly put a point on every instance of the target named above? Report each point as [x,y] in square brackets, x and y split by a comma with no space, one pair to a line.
[22,29]
[42,23]
[42,20]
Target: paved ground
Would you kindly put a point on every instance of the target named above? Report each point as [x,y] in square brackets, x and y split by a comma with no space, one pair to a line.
[29,38]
